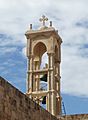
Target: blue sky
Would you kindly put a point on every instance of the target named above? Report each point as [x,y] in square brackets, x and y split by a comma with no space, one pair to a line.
[70,17]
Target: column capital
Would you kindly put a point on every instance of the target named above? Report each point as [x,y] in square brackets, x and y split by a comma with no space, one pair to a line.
[50,54]
[31,56]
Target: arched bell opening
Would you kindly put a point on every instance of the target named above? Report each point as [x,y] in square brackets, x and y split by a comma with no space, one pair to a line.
[40,59]
[40,63]
[40,79]
[43,78]
[44,65]
[38,51]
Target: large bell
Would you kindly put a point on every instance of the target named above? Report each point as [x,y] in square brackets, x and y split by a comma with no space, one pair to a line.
[44,78]
[44,100]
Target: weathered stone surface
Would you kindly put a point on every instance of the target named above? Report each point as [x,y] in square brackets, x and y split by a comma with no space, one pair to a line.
[14,105]
[75,117]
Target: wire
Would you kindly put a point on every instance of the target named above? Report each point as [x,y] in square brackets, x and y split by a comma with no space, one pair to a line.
[63,108]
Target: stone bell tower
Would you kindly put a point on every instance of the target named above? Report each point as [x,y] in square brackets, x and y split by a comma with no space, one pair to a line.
[45,39]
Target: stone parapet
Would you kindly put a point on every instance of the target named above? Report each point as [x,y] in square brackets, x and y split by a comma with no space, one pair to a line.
[74,117]
[14,105]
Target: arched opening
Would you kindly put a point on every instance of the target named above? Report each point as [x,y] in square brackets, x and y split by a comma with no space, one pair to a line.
[39,49]
[43,79]
[41,62]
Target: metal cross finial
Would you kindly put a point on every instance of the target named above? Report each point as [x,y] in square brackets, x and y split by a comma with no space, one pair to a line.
[43,19]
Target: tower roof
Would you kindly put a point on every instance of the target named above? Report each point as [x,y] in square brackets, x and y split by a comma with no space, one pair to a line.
[43,29]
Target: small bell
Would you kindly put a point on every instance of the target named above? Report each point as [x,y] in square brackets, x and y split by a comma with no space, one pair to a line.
[44,100]
[44,78]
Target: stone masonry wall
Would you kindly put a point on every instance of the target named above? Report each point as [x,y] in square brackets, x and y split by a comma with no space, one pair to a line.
[75,117]
[14,105]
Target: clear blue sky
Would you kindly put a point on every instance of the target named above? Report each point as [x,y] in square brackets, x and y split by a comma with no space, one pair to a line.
[70,17]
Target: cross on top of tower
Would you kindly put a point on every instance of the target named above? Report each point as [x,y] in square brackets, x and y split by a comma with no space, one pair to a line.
[43,19]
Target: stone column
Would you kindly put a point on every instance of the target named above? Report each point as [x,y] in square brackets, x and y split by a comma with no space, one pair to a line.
[53,95]
[37,80]
[51,85]
[37,76]
[57,78]
[27,81]
[30,74]
[48,86]
[58,97]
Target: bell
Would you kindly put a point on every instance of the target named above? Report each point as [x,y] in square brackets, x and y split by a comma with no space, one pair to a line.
[44,78]
[44,100]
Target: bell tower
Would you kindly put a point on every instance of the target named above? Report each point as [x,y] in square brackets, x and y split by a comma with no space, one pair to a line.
[45,39]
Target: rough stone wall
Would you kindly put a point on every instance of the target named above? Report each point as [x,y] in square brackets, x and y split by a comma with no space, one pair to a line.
[14,105]
[75,117]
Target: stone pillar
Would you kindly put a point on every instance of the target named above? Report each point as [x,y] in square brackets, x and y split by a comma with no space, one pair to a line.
[27,81]
[58,97]
[37,76]
[51,85]
[30,74]
[57,78]
[37,79]
[53,94]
